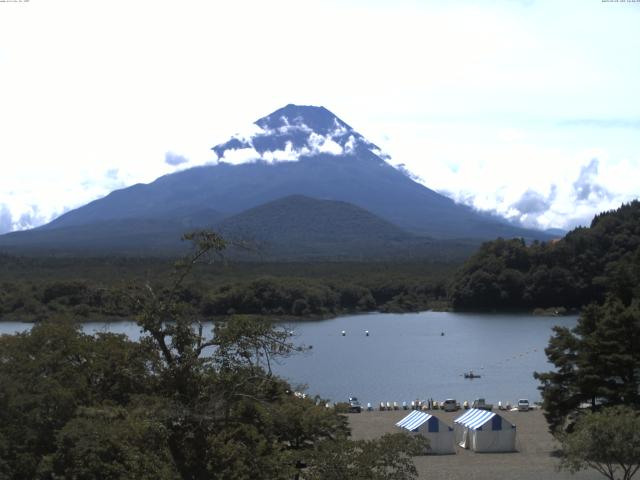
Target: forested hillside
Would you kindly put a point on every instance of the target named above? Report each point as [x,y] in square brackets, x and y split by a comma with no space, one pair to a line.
[95,288]
[581,268]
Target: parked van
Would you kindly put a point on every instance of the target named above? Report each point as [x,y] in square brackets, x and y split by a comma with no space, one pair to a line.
[450,405]
[523,405]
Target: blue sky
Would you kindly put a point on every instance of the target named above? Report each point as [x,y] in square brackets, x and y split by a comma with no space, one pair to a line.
[527,108]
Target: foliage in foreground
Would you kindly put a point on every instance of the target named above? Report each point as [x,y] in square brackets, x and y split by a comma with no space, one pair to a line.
[607,441]
[178,404]
[388,458]
[597,363]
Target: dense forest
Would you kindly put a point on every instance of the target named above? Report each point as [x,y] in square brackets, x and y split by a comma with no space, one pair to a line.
[34,288]
[568,273]
[581,268]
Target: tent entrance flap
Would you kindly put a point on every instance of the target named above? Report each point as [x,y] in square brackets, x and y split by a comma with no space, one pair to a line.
[465,438]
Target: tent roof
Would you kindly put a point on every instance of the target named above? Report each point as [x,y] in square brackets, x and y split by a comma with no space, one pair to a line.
[414,420]
[474,418]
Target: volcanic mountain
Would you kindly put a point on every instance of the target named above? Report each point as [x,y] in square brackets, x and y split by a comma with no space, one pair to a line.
[296,150]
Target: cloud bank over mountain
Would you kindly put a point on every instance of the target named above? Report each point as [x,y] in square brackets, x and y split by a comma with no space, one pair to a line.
[566,196]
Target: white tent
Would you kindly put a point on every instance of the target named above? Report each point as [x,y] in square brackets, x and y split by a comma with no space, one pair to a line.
[439,434]
[484,431]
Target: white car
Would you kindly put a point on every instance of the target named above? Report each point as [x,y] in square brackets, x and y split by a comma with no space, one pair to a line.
[523,405]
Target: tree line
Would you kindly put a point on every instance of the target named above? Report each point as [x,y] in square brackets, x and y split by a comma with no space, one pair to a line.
[583,267]
[266,295]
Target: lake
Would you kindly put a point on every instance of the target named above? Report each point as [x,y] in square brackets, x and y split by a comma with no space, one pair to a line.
[406,356]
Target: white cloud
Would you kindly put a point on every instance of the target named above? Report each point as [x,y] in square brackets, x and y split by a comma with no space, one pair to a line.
[339,129]
[381,154]
[476,165]
[250,130]
[350,146]
[298,125]
[236,156]
[174,159]
[315,144]
[323,144]
[6,219]
[286,155]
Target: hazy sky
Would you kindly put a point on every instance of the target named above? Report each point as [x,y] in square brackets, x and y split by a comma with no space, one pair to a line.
[530,108]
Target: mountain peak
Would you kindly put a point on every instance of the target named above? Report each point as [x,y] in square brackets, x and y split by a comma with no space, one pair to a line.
[293,132]
[318,119]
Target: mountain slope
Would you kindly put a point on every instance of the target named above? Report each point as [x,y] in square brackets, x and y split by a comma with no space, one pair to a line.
[304,217]
[315,228]
[129,236]
[297,150]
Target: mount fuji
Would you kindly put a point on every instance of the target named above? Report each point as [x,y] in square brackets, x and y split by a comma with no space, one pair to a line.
[295,154]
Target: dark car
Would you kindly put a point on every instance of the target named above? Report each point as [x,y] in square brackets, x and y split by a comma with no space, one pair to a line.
[354,405]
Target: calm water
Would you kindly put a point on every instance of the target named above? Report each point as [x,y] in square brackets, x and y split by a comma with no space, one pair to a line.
[405,356]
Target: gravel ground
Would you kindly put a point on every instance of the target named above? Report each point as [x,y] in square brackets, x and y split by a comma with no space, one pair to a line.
[533,459]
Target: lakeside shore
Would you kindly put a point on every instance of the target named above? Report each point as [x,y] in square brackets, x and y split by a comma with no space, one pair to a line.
[534,458]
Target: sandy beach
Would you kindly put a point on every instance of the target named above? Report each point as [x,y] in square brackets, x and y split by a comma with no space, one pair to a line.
[533,459]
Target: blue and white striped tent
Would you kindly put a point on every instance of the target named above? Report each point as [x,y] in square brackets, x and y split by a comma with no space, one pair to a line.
[484,431]
[439,434]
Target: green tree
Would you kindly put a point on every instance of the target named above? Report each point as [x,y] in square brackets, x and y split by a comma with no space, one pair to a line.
[50,372]
[607,441]
[597,363]
[387,458]
[111,443]
[207,393]
[226,415]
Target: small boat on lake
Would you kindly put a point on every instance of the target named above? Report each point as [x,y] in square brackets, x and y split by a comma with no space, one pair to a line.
[471,375]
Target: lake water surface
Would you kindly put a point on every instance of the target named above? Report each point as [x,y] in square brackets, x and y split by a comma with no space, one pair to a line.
[406,356]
